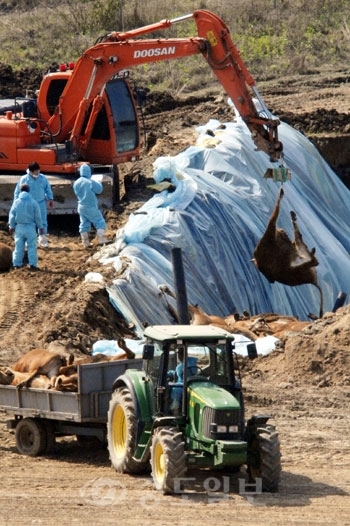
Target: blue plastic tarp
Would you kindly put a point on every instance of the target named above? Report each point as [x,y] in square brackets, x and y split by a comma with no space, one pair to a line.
[216,214]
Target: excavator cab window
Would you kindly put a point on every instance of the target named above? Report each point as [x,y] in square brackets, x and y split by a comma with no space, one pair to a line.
[124,115]
[101,130]
[53,94]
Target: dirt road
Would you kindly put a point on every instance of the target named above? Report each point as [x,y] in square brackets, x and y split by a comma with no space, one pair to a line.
[78,486]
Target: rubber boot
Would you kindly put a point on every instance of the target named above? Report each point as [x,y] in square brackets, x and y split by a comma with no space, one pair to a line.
[101,237]
[85,239]
[43,242]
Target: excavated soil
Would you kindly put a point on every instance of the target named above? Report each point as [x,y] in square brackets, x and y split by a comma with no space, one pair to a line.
[304,384]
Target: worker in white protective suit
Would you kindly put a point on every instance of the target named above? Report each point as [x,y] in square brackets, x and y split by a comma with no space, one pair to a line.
[40,190]
[86,189]
[24,220]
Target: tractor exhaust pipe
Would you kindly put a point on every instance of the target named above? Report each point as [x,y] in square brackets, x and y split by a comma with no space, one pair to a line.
[180,286]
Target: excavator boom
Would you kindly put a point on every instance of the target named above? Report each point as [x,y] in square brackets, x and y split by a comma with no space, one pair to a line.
[121,51]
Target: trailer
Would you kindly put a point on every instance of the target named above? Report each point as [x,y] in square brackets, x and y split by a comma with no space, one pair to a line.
[38,416]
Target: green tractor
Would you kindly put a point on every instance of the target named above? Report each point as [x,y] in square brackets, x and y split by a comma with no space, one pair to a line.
[185,408]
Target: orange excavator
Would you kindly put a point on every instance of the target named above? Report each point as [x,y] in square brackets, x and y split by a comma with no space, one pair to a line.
[87,112]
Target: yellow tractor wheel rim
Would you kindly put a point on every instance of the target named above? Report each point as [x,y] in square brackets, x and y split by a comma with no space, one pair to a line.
[119,430]
[159,465]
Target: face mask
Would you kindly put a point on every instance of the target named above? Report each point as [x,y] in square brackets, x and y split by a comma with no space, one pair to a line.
[35,176]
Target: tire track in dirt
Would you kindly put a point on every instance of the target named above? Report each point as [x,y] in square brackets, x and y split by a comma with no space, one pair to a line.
[16,303]
[12,298]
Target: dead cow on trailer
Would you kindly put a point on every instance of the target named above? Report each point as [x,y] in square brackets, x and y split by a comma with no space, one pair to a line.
[40,362]
[10,377]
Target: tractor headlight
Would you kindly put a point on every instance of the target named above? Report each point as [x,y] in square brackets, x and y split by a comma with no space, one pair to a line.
[224,424]
[233,429]
[221,429]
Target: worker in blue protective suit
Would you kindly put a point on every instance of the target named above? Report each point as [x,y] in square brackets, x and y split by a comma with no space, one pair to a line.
[86,189]
[176,391]
[40,190]
[24,220]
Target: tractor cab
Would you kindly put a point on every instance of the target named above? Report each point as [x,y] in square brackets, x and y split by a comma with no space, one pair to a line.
[179,366]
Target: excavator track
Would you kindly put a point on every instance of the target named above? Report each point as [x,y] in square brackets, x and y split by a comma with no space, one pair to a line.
[65,201]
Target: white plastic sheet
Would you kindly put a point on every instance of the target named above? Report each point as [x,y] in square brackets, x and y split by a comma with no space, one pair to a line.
[111,347]
[216,215]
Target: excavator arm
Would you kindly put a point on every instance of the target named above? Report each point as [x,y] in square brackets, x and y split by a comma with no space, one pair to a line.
[118,51]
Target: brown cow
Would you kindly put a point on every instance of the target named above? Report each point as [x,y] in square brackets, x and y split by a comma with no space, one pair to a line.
[279,259]
[253,327]
[10,377]
[128,353]
[5,257]
[65,383]
[39,362]
[276,325]
[250,328]
[99,357]
[67,370]
[199,317]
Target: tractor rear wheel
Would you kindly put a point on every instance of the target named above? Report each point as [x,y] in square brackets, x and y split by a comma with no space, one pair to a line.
[122,429]
[265,449]
[31,437]
[167,458]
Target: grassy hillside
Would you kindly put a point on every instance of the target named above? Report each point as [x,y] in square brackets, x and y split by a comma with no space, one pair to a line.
[274,37]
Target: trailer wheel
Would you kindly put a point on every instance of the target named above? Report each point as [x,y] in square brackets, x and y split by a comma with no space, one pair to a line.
[122,429]
[167,458]
[265,455]
[31,437]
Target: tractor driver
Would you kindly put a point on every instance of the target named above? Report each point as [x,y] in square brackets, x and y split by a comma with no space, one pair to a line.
[176,391]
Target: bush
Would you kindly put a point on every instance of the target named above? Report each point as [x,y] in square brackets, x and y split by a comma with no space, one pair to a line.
[273,36]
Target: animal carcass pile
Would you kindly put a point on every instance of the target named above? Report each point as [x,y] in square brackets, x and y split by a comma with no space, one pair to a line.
[253,327]
[43,369]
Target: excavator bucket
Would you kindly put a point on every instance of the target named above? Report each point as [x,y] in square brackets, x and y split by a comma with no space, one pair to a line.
[280,174]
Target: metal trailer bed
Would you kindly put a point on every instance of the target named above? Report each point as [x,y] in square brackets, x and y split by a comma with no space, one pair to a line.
[83,413]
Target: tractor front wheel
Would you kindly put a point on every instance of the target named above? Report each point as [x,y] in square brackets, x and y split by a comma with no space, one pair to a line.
[167,458]
[264,458]
[122,428]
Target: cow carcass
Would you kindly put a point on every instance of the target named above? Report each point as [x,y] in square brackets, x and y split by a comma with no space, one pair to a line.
[199,317]
[10,377]
[280,259]
[5,257]
[39,362]
[65,383]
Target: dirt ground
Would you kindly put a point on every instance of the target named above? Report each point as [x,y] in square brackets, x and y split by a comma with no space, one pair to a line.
[305,384]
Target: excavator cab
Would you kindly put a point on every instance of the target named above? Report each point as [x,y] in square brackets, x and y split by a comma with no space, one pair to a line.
[109,133]
[115,134]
